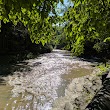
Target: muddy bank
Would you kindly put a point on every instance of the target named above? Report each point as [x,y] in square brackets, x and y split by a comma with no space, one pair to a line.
[79,92]
[38,82]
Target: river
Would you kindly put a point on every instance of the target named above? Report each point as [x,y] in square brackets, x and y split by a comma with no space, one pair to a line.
[36,83]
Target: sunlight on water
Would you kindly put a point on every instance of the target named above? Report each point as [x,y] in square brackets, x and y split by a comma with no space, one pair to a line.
[38,82]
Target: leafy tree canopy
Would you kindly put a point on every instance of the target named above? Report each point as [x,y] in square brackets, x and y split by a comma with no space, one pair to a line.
[34,14]
[87,20]
[83,21]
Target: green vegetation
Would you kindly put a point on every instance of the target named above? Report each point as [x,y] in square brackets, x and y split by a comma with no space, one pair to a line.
[83,28]
[31,23]
[33,14]
[88,26]
[15,42]
[103,68]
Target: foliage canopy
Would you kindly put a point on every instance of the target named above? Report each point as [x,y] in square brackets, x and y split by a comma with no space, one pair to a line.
[87,20]
[84,21]
[34,14]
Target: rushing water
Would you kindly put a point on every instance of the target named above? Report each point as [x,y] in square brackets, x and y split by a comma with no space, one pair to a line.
[36,83]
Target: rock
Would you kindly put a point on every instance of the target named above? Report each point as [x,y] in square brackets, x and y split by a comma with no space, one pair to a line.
[101,100]
[68,106]
[79,93]
[60,102]
[108,76]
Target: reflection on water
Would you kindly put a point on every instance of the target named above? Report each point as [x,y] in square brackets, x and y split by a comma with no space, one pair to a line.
[36,83]
[5,95]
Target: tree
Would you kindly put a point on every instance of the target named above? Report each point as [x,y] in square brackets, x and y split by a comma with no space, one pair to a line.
[87,20]
[34,14]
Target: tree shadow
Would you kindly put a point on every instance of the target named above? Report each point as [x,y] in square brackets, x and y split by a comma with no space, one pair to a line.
[4,69]
[94,60]
[8,66]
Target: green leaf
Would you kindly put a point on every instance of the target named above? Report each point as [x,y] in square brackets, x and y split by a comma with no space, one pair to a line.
[77,4]
[107,39]
[5,20]
[23,10]
[61,1]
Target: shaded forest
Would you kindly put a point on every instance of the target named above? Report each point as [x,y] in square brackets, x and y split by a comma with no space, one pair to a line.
[83,28]
[15,40]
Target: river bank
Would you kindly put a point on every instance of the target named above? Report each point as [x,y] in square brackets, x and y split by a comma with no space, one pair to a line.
[38,82]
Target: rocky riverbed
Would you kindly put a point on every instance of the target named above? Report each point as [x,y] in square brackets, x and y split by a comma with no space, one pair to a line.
[41,83]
